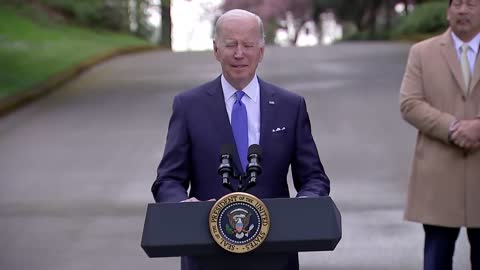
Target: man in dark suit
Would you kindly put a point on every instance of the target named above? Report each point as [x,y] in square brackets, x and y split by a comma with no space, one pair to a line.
[240,109]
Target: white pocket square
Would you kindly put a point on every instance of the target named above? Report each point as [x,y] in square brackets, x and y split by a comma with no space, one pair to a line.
[278,129]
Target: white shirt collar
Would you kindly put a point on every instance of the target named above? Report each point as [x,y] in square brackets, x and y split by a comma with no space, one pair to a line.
[252,90]
[474,43]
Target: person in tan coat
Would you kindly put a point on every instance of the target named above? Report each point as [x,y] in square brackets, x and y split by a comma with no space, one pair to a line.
[440,97]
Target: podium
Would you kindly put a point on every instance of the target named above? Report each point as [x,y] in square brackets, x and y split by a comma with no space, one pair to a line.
[297,224]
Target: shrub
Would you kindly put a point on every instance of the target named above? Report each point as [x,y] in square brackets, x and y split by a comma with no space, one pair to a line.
[112,15]
[425,18]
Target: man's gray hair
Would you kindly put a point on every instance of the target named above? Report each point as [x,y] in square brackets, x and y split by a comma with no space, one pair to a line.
[239,13]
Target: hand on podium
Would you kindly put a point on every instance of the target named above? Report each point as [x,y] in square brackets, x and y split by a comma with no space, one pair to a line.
[193,199]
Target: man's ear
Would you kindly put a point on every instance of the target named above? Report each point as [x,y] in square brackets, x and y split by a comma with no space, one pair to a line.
[215,49]
[262,52]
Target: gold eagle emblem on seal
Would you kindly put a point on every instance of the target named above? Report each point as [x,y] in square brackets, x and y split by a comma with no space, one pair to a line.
[239,222]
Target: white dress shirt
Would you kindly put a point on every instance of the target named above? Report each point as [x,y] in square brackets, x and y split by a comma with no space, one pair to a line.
[472,53]
[251,99]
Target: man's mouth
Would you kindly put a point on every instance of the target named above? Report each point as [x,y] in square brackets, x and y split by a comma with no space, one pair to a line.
[463,21]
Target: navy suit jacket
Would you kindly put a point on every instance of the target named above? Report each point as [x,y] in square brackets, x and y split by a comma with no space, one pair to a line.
[198,128]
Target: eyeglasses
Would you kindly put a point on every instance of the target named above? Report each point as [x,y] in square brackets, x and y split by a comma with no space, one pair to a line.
[247,46]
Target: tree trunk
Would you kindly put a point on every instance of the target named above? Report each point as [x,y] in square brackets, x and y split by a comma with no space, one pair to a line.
[298,27]
[166,39]
[405,2]
[372,16]
[388,15]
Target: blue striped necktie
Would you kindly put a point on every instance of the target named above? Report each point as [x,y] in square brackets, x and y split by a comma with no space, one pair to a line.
[240,128]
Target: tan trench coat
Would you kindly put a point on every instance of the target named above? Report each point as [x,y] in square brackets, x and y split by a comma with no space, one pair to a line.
[444,186]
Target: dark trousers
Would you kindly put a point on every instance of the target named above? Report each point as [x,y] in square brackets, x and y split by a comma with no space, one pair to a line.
[440,246]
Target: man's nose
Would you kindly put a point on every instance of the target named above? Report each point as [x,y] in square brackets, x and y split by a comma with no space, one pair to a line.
[464,8]
[239,51]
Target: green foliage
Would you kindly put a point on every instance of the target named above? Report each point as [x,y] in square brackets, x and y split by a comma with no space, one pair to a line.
[228,229]
[112,15]
[429,17]
[30,52]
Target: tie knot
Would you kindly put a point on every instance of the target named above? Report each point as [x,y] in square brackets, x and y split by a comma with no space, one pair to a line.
[239,95]
[465,47]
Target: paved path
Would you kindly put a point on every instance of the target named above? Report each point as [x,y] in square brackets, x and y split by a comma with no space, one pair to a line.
[76,167]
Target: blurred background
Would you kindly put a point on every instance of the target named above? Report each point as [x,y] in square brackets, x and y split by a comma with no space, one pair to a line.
[31,30]
[76,165]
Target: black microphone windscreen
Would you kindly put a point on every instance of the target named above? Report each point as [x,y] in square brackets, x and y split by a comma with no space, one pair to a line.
[227,149]
[255,149]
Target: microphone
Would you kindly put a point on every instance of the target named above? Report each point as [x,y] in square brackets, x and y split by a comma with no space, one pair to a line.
[253,168]
[225,169]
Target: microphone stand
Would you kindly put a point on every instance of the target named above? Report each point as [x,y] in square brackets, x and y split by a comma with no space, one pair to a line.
[246,180]
[242,186]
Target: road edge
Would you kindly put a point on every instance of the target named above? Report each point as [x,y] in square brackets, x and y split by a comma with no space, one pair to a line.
[11,103]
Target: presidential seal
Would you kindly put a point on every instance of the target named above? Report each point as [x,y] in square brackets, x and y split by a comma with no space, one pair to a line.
[239,222]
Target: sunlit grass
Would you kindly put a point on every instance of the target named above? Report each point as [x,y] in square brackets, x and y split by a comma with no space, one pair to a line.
[32,51]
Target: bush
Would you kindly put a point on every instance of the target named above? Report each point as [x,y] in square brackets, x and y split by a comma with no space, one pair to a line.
[112,15]
[424,19]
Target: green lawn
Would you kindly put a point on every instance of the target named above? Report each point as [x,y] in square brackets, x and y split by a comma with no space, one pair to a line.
[30,52]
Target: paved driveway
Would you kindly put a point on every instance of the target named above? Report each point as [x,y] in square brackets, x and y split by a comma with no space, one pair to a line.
[76,166]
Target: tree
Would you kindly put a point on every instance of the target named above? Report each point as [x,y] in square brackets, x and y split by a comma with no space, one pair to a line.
[141,12]
[166,39]
[364,14]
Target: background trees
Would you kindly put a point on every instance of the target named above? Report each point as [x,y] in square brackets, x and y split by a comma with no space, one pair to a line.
[365,19]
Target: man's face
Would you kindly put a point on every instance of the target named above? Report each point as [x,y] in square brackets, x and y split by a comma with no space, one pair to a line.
[239,49]
[464,18]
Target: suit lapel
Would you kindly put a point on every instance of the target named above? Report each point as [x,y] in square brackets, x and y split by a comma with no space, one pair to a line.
[219,116]
[476,73]
[267,112]
[450,54]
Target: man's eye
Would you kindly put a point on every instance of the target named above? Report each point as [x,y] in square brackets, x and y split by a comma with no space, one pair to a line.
[472,3]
